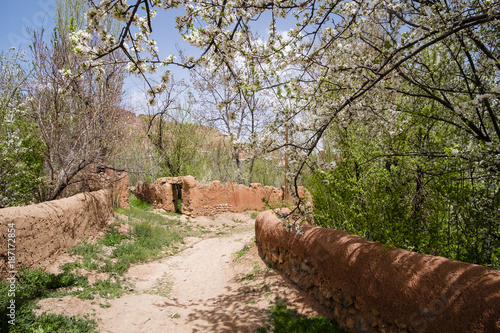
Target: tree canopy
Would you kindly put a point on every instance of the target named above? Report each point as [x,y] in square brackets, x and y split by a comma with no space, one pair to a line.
[339,58]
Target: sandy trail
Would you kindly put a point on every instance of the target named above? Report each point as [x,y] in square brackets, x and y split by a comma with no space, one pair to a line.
[202,289]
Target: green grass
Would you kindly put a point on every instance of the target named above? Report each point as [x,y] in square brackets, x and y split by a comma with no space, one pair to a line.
[26,321]
[33,284]
[284,320]
[241,253]
[150,234]
[113,238]
[87,250]
[142,215]
[138,203]
[148,241]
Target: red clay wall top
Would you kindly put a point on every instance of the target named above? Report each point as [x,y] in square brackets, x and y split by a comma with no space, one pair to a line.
[422,292]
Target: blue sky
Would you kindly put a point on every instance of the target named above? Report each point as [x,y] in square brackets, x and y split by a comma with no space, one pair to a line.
[19,16]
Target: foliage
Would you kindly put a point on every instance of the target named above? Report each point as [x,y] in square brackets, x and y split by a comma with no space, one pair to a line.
[139,204]
[284,320]
[437,204]
[241,252]
[26,321]
[86,249]
[335,61]
[21,158]
[404,95]
[112,238]
[33,284]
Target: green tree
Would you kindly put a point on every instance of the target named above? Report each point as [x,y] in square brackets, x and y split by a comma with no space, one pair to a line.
[21,158]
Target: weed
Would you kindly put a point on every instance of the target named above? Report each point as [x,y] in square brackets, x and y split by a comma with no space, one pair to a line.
[172,214]
[254,214]
[241,253]
[87,250]
[105,305]
[255,271]
[27,321]
[113,238]
[138,203]
[35,283]
[108,288]
[148,239]
[284,320]
[89,264]
[142,215]
[119,267]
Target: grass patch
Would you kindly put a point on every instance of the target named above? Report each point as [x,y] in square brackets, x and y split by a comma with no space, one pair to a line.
[139,215]
[113,238]
[146,243]
[254,214]
[148,237]
[284,320]
[87,250]
[171,214]
[138,203]
[241,253]
[27,321]
[33,284]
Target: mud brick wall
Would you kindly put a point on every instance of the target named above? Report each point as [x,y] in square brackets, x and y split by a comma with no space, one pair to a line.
[45,230]
[373,288]
[159,194]
[208,199]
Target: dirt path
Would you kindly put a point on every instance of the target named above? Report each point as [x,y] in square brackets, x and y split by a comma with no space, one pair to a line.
[200,289]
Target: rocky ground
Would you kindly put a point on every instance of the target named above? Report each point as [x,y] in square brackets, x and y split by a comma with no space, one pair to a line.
[216,282]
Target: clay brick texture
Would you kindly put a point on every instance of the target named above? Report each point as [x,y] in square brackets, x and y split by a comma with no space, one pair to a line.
[370,287]
[207,199]
[45,230]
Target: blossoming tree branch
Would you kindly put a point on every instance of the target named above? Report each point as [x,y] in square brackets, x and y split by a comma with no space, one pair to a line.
[342,61]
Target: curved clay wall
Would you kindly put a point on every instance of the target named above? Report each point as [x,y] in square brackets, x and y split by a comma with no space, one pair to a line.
[44,230]
[373,288]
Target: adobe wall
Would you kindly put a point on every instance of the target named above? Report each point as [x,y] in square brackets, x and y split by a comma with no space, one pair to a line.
[373,288]
[214,198]
[45,230]
[207,199]
[95,178]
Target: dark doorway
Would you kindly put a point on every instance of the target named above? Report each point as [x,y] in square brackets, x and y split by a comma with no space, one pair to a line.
[177,194]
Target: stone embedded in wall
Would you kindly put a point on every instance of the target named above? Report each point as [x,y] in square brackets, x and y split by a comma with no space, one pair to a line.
[208,199]
[46,229]
[372,288]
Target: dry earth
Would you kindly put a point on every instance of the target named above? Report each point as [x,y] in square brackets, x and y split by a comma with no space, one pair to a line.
[202,288]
